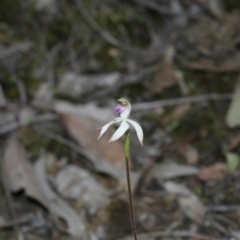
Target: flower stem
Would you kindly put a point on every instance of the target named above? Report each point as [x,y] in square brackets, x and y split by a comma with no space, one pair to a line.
[131,212]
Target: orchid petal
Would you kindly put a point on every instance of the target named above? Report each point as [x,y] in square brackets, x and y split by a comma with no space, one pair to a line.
[106,126]
[120,131]
[138,129]
[126,112]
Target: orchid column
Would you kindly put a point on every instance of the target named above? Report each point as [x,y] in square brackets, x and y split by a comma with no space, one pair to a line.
[123,110]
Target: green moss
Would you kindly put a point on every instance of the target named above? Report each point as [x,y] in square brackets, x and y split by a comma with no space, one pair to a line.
[198,191]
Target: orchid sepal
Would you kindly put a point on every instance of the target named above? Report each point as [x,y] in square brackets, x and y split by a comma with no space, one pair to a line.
[138,130]
[106,126]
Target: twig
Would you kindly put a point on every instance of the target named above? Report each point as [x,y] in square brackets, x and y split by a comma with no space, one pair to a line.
[182,234]
[222,208]
[180,101]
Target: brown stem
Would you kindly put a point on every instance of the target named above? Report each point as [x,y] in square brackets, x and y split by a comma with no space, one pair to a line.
[131,212]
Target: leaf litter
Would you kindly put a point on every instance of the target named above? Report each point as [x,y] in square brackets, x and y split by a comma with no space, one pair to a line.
[75,85]
[76,183]
[213,172]
[20,173]
[169,170]
[33,180]
[81,122]
[233,114]
[189,203]
[195,30]
[58,207]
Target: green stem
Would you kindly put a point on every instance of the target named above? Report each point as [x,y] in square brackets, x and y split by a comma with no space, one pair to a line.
[131,212]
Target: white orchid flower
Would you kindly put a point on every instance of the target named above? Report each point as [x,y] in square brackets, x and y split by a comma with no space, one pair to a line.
[123,110]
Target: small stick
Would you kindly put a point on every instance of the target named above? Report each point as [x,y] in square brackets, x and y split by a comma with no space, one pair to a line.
[182,100]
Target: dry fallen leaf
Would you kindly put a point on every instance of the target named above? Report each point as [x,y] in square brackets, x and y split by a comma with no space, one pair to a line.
[81,122]
[58,207]
[232,161]
[74,85]
[179,15]
[20,173]
[233,114]
[233,141]
[176,114]
[15,48]
[170,170]
[192,207]
[166,76]
[235,234]
[176,188]
[44,96]
[213,172]
[76,183]
[230,65]
[190,153]
[44,4]
[189,203]
[215,7]
[82,129]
